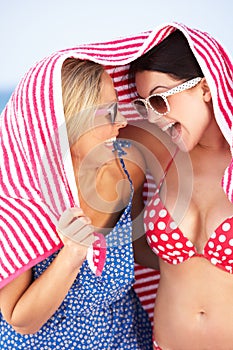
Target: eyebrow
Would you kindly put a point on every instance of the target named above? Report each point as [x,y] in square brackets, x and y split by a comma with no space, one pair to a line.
[151,92]
[159,87]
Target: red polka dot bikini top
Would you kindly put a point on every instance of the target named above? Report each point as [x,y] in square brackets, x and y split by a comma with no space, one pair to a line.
[169,243]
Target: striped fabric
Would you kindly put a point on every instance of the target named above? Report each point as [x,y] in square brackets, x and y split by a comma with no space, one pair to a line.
[146,286]
[36,176]
[146,279]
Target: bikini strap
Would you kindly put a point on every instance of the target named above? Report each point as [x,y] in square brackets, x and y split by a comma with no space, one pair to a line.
[166,169]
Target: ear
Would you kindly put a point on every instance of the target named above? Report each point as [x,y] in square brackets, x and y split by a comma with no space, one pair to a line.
[206,90]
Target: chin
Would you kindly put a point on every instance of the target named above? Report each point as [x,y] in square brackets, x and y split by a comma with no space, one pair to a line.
[184,147]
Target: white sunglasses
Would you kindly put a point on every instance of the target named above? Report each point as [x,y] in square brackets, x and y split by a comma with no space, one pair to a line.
[158,102]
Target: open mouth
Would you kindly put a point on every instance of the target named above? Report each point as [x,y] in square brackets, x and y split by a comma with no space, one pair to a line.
[168,126]
[110,141]
[172,129]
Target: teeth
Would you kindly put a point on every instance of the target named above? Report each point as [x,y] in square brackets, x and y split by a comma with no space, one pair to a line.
[168,126]
[112,139]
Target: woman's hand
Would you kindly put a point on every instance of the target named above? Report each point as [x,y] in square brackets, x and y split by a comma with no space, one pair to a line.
[47,292]
[75,228]
[76,232]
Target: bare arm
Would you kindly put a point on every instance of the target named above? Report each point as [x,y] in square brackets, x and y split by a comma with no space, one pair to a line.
[155,146]
[27,304]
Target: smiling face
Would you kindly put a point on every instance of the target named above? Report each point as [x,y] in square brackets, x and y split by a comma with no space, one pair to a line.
[102,131]
[190,112]
[104,128]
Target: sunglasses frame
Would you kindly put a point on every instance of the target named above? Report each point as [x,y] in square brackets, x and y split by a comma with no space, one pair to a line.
[111,110]
[179,88]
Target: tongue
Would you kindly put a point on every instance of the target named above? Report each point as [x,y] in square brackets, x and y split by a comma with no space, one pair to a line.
[175,130]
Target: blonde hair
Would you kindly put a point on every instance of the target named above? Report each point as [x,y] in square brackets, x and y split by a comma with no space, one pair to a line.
[80,90]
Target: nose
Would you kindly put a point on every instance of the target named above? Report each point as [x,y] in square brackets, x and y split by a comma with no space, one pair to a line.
[120,120]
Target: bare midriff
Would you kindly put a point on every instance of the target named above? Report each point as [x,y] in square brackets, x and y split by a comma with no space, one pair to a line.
[194,307]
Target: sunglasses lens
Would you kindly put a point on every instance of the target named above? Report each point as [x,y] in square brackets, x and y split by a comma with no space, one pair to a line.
[140,108]
[106,113]
[158,104]
[113,113]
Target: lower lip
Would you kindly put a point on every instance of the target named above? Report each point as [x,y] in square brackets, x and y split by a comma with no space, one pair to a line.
[109,144]
[175,133]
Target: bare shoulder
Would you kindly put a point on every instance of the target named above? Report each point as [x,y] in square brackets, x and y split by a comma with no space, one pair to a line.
[147,135]
[154,145]
[135,164]
[112,180]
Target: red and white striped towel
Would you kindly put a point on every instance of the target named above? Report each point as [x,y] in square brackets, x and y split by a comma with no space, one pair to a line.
[36,177]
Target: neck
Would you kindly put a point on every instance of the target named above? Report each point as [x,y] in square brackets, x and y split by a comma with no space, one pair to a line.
[213,139]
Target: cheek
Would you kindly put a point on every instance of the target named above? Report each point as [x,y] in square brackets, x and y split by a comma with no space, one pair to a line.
[194,131]
[200,118]
[103,132]
[193,114]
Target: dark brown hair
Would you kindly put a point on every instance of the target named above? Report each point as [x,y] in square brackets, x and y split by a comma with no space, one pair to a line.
[172,56]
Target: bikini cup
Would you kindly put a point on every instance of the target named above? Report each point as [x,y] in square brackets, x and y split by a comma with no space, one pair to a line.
[170,244]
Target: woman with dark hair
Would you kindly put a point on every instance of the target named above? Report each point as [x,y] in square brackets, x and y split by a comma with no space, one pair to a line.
[184,94]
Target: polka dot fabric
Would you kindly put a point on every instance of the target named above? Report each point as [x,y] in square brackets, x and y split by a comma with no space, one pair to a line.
[99,312]
[169,243]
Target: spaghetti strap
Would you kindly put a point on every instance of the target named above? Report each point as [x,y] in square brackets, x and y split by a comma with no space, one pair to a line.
[166,169]
[118,144]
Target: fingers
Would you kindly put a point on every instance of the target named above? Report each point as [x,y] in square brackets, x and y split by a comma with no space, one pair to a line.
[79,232]
[76,227]
[89,240]
[69,215]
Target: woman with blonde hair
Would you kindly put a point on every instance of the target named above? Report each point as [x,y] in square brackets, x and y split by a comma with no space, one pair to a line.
[67,266]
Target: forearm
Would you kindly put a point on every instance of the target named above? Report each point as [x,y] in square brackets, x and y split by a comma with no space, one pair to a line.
[43,297]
